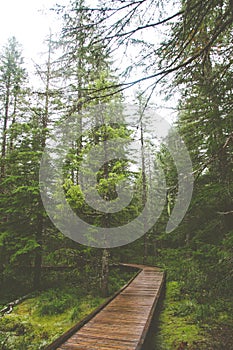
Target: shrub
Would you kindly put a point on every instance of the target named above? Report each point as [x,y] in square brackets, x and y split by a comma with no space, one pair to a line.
[51,303]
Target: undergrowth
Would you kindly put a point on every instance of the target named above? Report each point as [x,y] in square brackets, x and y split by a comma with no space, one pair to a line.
[39,320]
[194,315]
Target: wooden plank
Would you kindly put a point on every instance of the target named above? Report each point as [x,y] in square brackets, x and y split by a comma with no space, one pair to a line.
[123,322]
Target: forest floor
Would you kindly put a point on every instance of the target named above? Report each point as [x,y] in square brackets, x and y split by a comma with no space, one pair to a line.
[192,316]
[184,322]
[47,314]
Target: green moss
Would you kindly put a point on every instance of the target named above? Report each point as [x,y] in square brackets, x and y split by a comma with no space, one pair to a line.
[177,321]
[30,327]
[39,320]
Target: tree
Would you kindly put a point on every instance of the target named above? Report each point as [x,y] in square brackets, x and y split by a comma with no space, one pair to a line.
[87,66]
[127,24]
[12,103]
[23,233]
[12,77]
[205,123]
[45,113]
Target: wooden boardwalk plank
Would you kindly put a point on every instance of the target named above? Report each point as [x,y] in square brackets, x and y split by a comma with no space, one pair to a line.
[124,322]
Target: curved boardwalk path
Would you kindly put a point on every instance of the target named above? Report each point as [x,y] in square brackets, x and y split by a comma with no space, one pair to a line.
[124,322]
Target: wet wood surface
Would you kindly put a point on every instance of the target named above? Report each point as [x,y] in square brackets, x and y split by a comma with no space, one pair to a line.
[124,322]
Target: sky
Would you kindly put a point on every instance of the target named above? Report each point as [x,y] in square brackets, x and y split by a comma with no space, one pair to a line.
[29,21]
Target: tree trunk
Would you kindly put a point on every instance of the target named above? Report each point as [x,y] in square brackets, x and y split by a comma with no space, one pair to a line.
[155,248]
[38,254]
[144,195]
[37,269]
[187,239]
[105,273]
[40,219]
[13,122]
[6,116]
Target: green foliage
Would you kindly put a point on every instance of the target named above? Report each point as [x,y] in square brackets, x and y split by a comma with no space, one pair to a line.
[52,303]
[75,315]
[174,291]
[40,319]
[195,303]
[10,324]
[42,326]
[176,325]
[118,278]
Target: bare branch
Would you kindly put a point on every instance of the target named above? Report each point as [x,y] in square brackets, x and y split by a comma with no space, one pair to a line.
[225,213]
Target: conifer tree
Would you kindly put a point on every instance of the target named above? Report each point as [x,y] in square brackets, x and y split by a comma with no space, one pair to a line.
[12,78]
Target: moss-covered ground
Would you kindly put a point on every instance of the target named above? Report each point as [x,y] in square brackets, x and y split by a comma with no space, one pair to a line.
[196,314]
[177,328]
[38,320]
[44,316]
[186,324]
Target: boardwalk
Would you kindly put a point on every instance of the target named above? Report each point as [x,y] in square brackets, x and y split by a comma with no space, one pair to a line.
[123,323]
